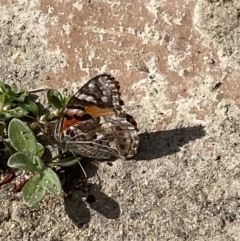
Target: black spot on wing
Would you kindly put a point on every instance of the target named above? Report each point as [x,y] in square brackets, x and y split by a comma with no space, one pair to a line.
[85,117]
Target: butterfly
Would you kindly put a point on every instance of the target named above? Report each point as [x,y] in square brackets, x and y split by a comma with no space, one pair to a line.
[94,124]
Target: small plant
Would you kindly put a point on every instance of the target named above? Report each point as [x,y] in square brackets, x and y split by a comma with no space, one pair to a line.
[26,152]
[56,99]
[15,104]
[28,157]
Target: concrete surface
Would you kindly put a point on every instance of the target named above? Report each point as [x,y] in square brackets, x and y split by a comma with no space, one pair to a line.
[178,63]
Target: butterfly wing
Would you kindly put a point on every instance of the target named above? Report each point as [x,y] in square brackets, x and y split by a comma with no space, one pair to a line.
[94,124]
[103,138]
[101,91]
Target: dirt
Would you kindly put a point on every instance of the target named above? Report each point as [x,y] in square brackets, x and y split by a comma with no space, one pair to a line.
[178,66]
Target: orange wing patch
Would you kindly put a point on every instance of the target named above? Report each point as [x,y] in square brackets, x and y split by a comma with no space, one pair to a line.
[96,112]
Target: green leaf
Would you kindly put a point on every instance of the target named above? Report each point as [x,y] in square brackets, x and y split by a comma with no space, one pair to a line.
[38,162]
[21,161]
[65,162]
[21,137]
[55,98]
[2,87]
[51,182]
[9,146]
[65,101]
[33,192]
[2,101]
[40,149]
[17,112]
[21,96]
[4,115]
[13,113]
[30,106]
[12,93]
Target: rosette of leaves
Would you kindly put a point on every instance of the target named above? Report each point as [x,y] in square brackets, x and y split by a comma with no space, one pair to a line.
[27,156]
[26,152]
[15,103]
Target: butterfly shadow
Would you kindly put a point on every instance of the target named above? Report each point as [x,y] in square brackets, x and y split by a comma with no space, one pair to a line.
[83,196]
[163,143]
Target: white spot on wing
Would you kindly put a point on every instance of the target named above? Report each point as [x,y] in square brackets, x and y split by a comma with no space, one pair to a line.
[91,85]
[82,97]
[104,99]
[87,98]
[90,99]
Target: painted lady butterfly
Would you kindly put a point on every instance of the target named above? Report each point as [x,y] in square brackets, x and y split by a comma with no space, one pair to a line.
[94,124]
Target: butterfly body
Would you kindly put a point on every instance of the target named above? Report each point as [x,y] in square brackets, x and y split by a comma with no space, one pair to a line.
[94,124]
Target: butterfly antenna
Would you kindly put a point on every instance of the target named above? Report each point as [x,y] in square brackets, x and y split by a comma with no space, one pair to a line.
[37,90]
[78,160]
[85,174]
